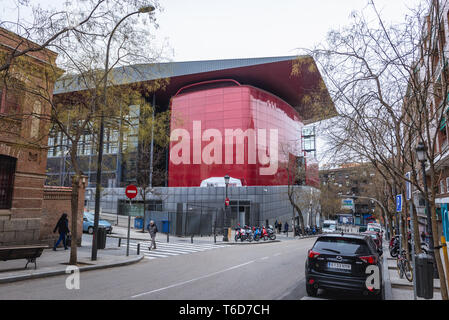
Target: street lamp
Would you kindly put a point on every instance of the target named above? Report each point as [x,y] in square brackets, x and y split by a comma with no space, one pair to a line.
[146,9]
[225,224]
[421,153]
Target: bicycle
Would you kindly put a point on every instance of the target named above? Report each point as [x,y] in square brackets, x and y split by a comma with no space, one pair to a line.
[404,267]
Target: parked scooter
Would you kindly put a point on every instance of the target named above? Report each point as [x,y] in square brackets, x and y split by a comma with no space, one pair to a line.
[257,233]
[270,233]
[394,246]
[238,233]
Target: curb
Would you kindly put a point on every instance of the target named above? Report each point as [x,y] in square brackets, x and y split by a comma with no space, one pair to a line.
[47,274]
[250,243]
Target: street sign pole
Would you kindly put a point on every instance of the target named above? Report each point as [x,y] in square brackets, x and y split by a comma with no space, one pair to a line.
[129,227]
[131,193]
[399,216]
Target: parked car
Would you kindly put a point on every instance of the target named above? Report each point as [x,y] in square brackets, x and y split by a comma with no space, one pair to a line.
[377,228]
[340,262]
[88,223]
[329,226]
[376,237]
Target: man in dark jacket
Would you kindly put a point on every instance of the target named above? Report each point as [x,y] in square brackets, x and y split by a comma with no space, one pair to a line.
[63,228]
[152,229]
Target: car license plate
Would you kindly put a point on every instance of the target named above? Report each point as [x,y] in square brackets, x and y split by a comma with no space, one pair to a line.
[340,266]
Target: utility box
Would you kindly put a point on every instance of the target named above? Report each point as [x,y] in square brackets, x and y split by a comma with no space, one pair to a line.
[138,223]
[424,276]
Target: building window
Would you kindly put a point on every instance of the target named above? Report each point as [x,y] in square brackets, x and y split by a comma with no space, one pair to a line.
[442,190]
[447,183]
[9,101]
[7,172]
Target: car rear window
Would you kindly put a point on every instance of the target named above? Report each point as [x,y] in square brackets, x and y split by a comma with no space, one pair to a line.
[343,246]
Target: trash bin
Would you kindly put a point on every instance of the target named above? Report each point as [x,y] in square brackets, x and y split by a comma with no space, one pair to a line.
[138,223]
[165,226]
[424,276]
[101,241]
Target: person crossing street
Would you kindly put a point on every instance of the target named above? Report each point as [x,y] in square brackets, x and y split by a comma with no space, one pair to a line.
[152,229]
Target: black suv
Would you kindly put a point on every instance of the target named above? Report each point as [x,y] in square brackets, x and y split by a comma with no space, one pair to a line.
[341,261]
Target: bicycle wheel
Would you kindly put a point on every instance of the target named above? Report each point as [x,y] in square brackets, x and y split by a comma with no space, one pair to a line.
[399,268]
[408,270]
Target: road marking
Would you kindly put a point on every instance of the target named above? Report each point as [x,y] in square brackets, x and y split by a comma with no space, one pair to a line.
[165,250]
[192,280]
[264,258]
[156,255]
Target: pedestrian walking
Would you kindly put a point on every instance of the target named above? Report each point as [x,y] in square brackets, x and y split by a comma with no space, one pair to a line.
[285,227]
[63,228]
[276,225]
[152,229]
[279,227]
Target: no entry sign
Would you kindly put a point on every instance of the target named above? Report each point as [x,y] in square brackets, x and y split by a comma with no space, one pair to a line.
[227,202]
[131,191]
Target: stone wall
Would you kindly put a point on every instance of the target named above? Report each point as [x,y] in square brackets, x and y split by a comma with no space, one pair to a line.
[19,231]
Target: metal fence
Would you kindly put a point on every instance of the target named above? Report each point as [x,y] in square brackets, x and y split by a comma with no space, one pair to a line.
[198,222]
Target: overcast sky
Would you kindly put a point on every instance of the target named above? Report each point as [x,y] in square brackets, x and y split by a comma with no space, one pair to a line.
[212,29]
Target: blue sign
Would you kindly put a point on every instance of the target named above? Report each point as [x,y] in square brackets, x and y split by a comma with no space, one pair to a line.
[399,203]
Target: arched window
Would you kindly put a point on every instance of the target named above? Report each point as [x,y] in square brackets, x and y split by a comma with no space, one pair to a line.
[7,172]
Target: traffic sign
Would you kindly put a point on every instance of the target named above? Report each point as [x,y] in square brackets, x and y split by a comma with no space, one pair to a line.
[227,202]
[399,203]
[131,191]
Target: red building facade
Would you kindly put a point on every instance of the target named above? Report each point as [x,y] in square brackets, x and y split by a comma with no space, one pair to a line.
[232,129]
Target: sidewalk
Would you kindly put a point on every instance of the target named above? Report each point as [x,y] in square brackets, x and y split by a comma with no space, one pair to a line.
[53,263]
[135,234]
[397,288]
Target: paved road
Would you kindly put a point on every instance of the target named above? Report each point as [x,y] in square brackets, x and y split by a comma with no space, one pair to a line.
[251,272]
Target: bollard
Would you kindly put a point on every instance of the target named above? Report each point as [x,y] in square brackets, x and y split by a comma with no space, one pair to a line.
[138,248]
[191,239]
[215,238]
[119,242]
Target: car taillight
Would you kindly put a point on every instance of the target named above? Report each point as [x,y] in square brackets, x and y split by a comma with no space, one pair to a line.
[313,254]
[369,259]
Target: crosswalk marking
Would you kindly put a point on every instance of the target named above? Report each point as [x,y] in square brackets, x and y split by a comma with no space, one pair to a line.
[165,250]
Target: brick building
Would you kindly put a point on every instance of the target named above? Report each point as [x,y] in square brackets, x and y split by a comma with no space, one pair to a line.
[26,207]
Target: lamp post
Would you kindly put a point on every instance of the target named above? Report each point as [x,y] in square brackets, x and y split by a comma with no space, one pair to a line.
[421,152]
[101,133]
[225,218]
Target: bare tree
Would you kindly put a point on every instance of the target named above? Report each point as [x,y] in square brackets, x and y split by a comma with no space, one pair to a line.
[82,34]
[385,81]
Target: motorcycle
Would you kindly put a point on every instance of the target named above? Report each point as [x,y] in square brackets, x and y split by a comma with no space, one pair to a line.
[394,246]
[257,233]
[270,233]
[238,233]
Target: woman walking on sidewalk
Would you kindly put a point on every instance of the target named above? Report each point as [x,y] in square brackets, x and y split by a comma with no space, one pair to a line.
[152,229]
[63,228]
